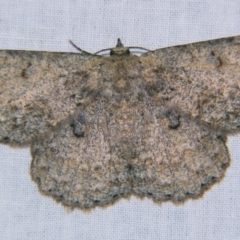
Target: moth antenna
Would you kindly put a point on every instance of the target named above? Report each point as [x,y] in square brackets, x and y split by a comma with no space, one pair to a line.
[142,48]
[105,49]
[79,49]
[120,45]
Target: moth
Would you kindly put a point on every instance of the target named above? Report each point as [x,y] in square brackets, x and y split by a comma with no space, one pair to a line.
[103,128]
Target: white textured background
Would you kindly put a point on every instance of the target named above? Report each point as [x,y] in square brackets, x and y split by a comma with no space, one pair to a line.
[47,25]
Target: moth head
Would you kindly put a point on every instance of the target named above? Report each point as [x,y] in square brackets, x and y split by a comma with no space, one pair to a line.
[119,50]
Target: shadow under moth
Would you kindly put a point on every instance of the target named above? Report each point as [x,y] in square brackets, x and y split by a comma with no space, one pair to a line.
[102,128]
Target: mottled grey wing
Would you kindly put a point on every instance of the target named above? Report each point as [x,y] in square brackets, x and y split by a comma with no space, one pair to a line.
[202,80]
[102,157]
[179,162]
[37,91]
[81,170]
